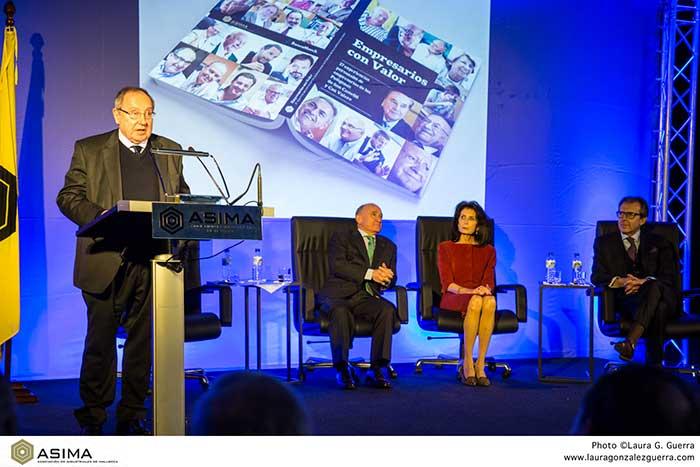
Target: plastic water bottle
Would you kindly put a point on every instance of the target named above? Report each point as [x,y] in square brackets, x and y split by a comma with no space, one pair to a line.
[576,269]
[257,265]
[551,267]
[226,262]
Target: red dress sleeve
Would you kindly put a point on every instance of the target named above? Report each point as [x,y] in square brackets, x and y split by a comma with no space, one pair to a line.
[445,266]
[490,271]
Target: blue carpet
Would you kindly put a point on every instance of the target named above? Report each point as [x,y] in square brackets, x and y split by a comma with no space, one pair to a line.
[431,403]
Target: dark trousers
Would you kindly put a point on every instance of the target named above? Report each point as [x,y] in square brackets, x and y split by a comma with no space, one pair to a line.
[650,309]
[127,303]
[343,312]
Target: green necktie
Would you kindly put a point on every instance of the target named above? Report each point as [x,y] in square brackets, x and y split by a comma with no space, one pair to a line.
[370,248]
[370,253]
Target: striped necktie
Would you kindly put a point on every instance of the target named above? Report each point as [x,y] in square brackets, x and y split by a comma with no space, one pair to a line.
[632,249]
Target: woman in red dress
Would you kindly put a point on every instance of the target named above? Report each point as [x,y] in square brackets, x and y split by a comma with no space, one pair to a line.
[466,264]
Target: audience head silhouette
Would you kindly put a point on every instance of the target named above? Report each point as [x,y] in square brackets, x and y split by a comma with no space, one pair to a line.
[639,401]
[249,404]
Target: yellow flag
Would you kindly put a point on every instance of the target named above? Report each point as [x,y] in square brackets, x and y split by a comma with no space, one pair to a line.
[9,225]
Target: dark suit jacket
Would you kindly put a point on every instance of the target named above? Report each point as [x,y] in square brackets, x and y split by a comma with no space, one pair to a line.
[93,184]
[401,128]
[278,76]
[348,263]
[655,257]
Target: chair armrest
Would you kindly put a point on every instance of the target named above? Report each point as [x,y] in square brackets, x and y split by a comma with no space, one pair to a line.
[401,302]
[308,296]
[413,286]
[225,300]
[606,304]
[691,293]
[520,299]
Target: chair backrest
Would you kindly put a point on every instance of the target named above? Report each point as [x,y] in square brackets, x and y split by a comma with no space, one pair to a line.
[310,236]
[430,231]
[667,230]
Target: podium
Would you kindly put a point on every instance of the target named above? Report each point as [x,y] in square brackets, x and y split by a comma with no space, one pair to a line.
[138,221]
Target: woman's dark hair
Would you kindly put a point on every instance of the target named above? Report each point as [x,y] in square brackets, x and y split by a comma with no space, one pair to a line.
[482,234]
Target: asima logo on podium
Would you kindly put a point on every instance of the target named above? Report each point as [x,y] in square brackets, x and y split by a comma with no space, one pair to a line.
[8,203]
[171,220]
[22,452]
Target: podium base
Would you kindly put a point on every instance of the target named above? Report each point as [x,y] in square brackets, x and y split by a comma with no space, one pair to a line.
[23,395]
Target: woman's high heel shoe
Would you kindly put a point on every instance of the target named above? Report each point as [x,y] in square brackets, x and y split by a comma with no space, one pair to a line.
[466,380]
[483,381]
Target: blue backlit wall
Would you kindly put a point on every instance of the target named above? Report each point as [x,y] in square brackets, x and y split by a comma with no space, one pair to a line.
[569,132]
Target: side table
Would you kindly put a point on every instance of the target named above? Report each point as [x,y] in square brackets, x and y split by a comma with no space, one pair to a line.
[588,288]
[271,287]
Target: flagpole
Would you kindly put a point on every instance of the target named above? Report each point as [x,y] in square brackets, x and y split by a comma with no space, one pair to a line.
[22,394]
[6,348]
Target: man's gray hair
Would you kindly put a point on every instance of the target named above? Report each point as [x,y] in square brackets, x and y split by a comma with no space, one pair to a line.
[127,89]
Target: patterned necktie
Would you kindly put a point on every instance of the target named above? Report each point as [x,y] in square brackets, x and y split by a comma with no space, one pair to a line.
[632,249]
[136,149]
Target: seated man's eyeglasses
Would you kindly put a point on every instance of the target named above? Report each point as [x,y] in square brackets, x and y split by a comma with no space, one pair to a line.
[136,116]
[627,214]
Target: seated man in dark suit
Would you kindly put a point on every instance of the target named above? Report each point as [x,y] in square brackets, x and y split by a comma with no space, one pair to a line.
[643,270]
[361,265]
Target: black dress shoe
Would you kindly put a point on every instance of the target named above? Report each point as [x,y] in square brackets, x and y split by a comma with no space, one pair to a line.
[376,379]
[625,349]
[91,430]
[132,428]
[345,378]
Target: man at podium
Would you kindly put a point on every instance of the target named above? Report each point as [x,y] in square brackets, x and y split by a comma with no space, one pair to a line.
[115,276]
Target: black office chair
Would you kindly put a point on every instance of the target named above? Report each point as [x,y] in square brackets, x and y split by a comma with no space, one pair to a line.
[430,231]
[612,324]
[310,236]
[203,325]
[200,325]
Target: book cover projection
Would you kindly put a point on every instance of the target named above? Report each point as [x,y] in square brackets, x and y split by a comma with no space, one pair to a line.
[351,78]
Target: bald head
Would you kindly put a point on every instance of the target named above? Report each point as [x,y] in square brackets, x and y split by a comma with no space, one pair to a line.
[352,128]
[369,218]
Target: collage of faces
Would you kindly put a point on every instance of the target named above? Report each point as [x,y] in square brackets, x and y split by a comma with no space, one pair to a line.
[401,154]
[309,22]
[400,140]
[235,68]
[456,69]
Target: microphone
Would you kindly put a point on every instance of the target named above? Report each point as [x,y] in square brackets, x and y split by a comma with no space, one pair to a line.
[192,152]
[260,197]
[155,165]
[180,152]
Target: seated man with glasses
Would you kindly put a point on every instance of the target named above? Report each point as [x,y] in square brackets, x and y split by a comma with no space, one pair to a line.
[643,270]
[114,275]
